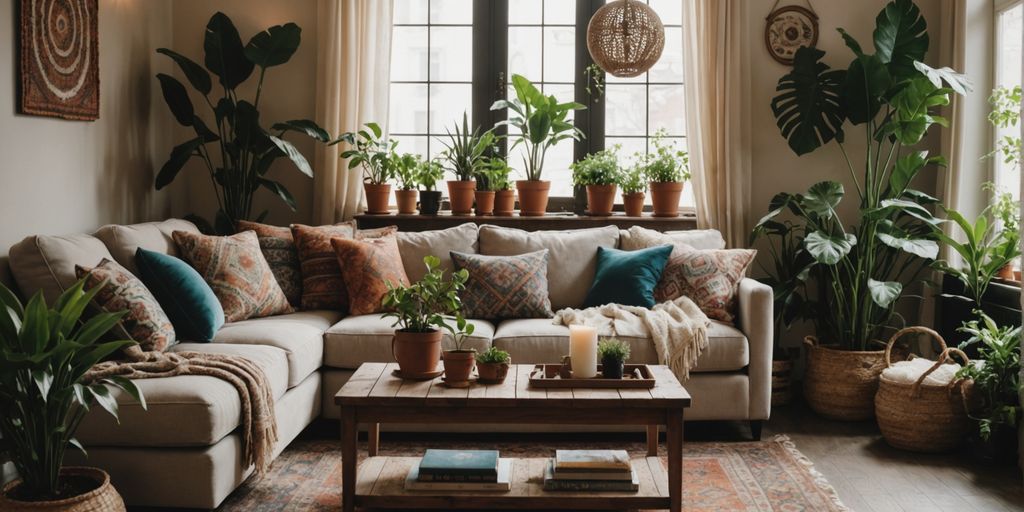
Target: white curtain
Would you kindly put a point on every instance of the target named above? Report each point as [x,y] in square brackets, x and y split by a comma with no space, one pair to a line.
[352,76]
[717,70]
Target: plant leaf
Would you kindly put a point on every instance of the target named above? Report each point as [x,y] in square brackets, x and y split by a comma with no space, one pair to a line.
[305,126]
[274,46]
[225,56]
[956,81]
[281,191]
[196,75]
[823,197]
[884,292]
[807,111]
[867,80]
[293,154]
[177,99]
[927,249]
[179,155]
[901,37]
[829,249]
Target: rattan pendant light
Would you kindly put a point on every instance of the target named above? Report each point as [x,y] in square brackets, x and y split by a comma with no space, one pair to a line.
[625,37]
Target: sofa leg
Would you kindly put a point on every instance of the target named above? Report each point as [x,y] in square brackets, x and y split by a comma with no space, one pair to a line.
[755,429]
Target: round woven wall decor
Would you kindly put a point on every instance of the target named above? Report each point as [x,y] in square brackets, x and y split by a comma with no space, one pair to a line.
[625,37]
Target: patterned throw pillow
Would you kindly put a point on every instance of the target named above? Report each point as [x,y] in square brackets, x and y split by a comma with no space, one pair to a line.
[322,284]
[505,286]
[145,322]
[366,267]
[235,269]
[278,248]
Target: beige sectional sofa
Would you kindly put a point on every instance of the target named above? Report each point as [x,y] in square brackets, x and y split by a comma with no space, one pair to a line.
[185,451]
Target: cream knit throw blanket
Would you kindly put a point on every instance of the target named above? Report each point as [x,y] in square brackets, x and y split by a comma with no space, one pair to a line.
[678,328]
[259,425]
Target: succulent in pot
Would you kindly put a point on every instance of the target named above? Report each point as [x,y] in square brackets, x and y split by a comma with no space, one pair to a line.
[600,173]
[419,313]
[465,155]
[667,169]
[633,183]
[613,354]
[492,365]
[460,361]
[406,167]
[428,173]
[373,153]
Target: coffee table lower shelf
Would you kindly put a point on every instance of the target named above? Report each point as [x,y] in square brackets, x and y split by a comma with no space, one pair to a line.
[381,484]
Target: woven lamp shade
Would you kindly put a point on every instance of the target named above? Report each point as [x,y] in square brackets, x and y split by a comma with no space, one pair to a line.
[625,37]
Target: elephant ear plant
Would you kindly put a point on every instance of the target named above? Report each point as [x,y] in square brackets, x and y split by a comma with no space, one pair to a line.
[860,266]
[238,151]
[44,353]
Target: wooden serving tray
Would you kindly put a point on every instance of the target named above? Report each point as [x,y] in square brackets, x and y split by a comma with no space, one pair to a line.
[546,376]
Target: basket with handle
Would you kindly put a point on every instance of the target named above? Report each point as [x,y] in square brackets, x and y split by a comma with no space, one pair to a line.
[922,417]
[841,384]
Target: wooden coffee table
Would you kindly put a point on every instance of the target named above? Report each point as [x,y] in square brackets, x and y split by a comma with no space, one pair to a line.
[374,396]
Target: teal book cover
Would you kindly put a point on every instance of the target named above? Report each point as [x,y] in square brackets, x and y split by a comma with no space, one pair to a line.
[460,462]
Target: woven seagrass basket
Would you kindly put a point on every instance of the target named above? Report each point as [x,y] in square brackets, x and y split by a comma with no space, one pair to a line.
[841,384]
[104,498]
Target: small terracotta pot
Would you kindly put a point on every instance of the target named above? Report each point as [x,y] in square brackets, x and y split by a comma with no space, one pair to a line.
[460,193]
[505,203]
[484,202]
[104,497]
[1007,273]
[430,202]
[533,197]
[665,197]
[406,200]
[600,199]
[458,365]
[633,204]
[417,353]
[492,373]
[377,197]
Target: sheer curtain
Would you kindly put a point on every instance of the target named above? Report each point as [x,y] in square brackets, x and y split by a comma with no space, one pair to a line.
[352,76]
[717,70]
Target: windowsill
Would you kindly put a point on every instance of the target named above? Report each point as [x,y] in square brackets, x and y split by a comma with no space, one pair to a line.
[549,221]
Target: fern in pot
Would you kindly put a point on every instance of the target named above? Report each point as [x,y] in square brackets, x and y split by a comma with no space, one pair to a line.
[599,173]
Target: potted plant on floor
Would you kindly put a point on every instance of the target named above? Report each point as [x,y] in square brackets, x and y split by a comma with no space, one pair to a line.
[371,151]
[418,311]
[460,361]
[465,154]
[540,122]
[600,173]
[613,354]
[633,183]
[496,175]
[667,170]
[492,365]
[861,265]
[44,354]
[406,176]
[428,173]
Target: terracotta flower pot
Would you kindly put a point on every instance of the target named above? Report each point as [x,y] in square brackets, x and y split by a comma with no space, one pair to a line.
[600,199]
[484,202]
[406,200]
[377,197]
[633,204]
[665,197]
[492,373]
[102,495]
[430,202]
[841,384]
[417,353]
[460,193]
[505,203]
[533,197]
[1007,273]
[458,366]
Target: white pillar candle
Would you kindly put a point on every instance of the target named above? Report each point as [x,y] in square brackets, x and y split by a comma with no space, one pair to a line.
[583,350]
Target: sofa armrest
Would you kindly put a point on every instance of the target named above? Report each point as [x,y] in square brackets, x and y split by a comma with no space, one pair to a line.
[756,320]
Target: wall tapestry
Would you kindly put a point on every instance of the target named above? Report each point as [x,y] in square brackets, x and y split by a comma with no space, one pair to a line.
[60,59]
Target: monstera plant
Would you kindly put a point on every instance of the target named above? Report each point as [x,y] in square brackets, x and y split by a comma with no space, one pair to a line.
[238,151]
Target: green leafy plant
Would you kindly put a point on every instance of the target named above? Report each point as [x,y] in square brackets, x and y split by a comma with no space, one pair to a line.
[422,306]
[860,267]
[369,149]
[493,355]
[238,151]
[495,175]
[405,167]
[612,349]
[461,331]
[983,252]
[428,173]
[1005,210]
[1005,113]
[601,168]
[787,273]
[665,164]
[465,151]
[593,75]
[540,121]
[996,377]
[633,180]
[44,354]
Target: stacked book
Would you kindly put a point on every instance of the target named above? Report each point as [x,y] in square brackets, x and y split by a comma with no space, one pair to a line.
[591,470]
[460,470]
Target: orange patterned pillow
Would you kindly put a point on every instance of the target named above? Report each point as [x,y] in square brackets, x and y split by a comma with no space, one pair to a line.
[145,321]
[237,272]
[367,266]
[322,284]
[278,248]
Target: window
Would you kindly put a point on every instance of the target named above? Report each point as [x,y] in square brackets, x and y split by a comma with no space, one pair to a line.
[1008,75]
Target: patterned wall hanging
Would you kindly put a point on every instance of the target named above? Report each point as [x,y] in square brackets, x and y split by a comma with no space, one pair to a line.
[788,28]
[60,59]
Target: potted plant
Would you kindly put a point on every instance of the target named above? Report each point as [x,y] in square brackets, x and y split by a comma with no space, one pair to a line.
[491,178]
[983,253]
[633,183]
[1006,212]
[540,123]
[406,167]
[613,354]
[861,264]
[370,150]
[460,361]
[667,170]
[418,311]
[45,352]
[492,365]
[600,173]
[428,173]
[466,154]
[496,175]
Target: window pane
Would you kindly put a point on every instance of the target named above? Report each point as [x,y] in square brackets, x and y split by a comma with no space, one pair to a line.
[559,54]
[447,103]
[612,79]
[408,110]
[409,54]
[669,67]
[451,54]
[556,168]
[670,11]
[625,109]
[410,11]
[630,148]
[559,12]
[451,11]
[414,144]
[667,109]
[524,52]
[522,12]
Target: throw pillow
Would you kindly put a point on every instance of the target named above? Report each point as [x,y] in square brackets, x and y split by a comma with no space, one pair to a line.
[235,269]
[145,323]
[637,237]
[278,248]
[627,277]
[505,286]
[367,266]
[322,284]
[189,302]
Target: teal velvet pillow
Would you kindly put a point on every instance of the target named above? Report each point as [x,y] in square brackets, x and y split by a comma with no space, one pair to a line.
[189,302]
[627,277]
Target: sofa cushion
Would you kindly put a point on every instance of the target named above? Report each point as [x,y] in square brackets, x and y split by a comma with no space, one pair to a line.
[124,241]
[144,322]
[505,286]
[367,338]
[278,248]
[627,277]
[185,410]
[697,238]
[369,267]
[188,301]
[414,246]
[300,335]
[572,257]
[538,340]
[47,263]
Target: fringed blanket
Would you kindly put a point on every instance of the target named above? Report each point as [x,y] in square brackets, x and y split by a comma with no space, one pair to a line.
[678,328]
[259,426]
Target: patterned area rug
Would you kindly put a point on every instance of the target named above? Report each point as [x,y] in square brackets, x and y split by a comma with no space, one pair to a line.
[750,476]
